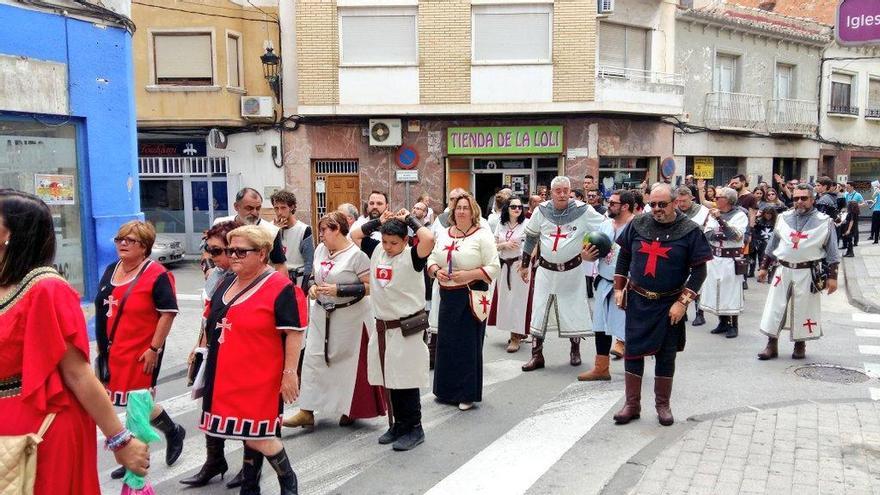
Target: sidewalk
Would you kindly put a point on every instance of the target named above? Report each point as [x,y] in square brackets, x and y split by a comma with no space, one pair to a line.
[804,448]
[863,276]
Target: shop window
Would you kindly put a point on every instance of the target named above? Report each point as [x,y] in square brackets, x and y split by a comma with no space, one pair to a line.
[622,47]
[183,58]
[42,160]
[842,95]
[163,205]
[512,34]
[233,60]
[376,37]
[621,172]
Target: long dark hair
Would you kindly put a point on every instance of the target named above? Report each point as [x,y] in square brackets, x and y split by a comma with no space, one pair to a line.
[852,211]
[774,214]
[505,211]
[31,235]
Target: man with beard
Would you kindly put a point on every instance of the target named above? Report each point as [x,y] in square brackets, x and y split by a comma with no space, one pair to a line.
[660,269]
[609,320]
[376,206]
[723,291]
[558,227]
[299,249]
[699,214]
[804,242]
[248,204]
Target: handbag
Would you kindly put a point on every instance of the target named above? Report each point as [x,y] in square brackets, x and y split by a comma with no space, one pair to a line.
[480,300]
[414,324]
[18,460]
[102,361]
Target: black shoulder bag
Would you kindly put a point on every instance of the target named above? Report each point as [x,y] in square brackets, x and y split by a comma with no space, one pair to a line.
[102,362]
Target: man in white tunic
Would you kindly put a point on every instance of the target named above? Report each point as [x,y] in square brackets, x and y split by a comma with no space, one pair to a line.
[559,303]
[804,243]
[296,237]
[397,357]
[722,293]
[699,214]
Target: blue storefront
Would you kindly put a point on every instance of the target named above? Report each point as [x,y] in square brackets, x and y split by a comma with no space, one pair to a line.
[67,129]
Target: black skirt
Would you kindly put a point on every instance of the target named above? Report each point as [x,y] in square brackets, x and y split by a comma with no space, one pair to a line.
[458,369]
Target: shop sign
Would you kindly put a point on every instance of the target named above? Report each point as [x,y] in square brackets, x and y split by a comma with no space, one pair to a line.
[858,22]
[543,139]
[183,148]
[704,167]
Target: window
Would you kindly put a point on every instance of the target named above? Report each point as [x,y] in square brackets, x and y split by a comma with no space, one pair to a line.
[785,82]
[512,33]
[378,36]
[841,95]
[183,59]
[233,61]
[622,47]
[873,107]
[724,80]
[622,172]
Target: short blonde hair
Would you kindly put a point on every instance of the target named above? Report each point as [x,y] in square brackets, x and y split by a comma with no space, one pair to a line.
[256,236]
[475,209]
[144,231]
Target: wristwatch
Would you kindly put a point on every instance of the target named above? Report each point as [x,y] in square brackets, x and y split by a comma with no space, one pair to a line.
[156,350]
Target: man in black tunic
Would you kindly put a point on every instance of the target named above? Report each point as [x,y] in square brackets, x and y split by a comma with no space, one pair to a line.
[660,269]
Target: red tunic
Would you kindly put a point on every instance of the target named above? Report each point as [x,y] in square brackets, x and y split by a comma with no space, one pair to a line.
[152,295]
[246,357]
[36,328]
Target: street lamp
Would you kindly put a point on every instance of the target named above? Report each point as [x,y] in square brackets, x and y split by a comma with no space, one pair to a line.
[271,63]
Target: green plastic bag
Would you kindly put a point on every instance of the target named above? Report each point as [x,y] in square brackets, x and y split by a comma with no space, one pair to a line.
[137,420]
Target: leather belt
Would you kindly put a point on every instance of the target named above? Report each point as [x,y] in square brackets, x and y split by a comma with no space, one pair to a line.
[508,263]
[560,267]
[653,296]
[797,266]
[382,325]
[10,386]
[329,308]
[727,252]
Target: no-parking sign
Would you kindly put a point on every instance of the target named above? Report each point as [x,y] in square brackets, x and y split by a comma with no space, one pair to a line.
[407,157]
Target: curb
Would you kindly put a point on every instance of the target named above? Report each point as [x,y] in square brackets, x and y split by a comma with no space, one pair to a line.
[630,473]
[854,290]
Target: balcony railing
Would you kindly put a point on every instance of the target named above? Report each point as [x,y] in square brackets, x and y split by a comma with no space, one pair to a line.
[641,91]
[734,111]
[843,110]
[792,117]
[149,166]
[872,113]
[639,76]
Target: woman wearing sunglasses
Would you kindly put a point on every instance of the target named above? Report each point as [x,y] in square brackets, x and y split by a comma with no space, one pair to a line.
[511,291]
[134,309]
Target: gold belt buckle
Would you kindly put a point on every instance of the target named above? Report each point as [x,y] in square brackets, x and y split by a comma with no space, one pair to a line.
[652,295]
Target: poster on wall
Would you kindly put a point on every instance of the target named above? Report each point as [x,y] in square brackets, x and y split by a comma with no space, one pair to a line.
[55,189]
[704,167]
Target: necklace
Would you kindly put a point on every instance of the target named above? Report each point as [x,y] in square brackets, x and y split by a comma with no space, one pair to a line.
[463,233]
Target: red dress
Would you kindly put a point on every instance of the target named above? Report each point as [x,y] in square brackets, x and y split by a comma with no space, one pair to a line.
[246,357]
[36,328]
[152,295]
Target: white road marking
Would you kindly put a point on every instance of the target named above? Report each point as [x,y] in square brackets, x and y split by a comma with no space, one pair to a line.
[866,318]
[875,393]
[546,435]
[189,297]
[174,406]
[868,333]
[870,349]
[872,370]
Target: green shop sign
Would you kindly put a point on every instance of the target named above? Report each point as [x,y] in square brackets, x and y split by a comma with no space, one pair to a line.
[544,139]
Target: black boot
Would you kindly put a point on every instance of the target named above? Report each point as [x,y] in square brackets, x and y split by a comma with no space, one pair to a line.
[699,319]
[409,440]
[174,435]
[722,325]
[391,435]
[250,472]
[733,328]
[286,477]
[214,464]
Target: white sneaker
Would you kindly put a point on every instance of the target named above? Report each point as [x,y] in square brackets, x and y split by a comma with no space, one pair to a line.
[464,406]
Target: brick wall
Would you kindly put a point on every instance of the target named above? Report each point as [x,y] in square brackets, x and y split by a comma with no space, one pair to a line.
[317,50]
[444,51]
[574,50]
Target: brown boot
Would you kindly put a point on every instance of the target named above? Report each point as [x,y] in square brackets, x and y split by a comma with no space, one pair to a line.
[800,350]
[575,354]
[771,351]
[618,350]
[513,343]
[632,408]
[599,372]
[662,391]
[537,360]
[301,419]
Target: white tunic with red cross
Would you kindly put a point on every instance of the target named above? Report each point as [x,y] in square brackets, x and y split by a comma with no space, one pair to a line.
[790,303]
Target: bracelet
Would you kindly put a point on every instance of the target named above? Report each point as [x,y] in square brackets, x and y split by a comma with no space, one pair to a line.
[118,440]
[155,349]
[686,296]
[291,371]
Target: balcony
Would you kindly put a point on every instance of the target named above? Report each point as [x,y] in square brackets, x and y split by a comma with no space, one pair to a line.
[165,166]
[872,113]
[844,110]
[795,117]
[734,112]
[638,91]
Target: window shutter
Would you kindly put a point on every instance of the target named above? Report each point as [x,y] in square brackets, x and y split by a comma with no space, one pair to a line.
[512,36]
[874,93]
[612,45]
[232,63]
[378,39]
[183,56]
[636,48]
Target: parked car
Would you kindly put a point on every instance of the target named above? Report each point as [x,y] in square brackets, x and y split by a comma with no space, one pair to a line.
[167,250]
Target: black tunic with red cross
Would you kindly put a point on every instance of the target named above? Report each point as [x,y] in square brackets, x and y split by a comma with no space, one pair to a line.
[152,295]
[242,397]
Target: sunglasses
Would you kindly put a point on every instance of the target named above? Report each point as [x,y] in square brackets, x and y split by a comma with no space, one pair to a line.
[124,241]
[800,198]
[658,204]
[238,252]
[612,203]
[214,251]
[515,207]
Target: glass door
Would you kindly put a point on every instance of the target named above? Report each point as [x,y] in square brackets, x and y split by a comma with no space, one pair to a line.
[520,183]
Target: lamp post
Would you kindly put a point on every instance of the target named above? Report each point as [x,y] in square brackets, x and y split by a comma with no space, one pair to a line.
[271,63]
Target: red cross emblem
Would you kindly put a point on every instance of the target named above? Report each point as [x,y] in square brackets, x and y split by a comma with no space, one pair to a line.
[558,235]
[776,281]
[654,251]
[111,302]
[485,304]
[452,246]
[326,266]
[224,325]
[796,238]
[809,324]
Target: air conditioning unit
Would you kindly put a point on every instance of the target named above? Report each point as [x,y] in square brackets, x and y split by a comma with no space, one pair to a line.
[385,132]
[606,7]
[257,107]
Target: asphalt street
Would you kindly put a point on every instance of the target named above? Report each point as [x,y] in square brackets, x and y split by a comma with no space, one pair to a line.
[537,433]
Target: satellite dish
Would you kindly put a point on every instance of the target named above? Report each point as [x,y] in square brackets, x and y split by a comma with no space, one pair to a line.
[380,131]
[216,139]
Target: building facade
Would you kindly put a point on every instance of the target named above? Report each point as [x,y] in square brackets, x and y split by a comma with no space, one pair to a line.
[475,94]
[67,125]
[206,115]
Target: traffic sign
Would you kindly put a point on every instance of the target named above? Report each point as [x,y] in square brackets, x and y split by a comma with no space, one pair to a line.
[407,157]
